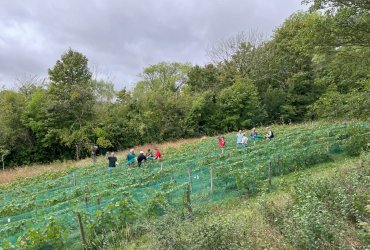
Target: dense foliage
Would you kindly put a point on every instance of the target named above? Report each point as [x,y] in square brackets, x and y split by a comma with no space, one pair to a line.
[316,65]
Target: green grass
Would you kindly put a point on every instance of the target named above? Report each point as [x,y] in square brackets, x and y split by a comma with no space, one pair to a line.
[130,197]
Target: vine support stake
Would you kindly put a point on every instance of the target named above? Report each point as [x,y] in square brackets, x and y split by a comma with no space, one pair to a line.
[190,181]
[161,166]
[211,176]
[82,232]
[270,168]
[188,201]
[86,198]
[74,179]
[98,200]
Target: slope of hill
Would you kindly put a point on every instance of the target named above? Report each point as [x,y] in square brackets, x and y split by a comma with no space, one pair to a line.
[191,180]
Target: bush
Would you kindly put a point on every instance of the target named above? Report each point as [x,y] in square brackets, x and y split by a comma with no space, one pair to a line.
[357,141]
[322,209]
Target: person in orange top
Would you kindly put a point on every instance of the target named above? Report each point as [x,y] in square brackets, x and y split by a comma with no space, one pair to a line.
[157,154]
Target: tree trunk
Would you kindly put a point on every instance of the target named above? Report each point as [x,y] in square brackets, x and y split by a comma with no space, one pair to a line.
[78,149]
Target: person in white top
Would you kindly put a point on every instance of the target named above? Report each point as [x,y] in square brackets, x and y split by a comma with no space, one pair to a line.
[244,140]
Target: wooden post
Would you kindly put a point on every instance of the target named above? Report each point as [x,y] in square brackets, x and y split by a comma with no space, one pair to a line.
[211,176]
[161,166]
[86,199]
[327,143]
[127,231]
[270,174]
[2,160]
[190,180]
[86,196]
[98,200]
[188,201]
[74,179]
[83,239]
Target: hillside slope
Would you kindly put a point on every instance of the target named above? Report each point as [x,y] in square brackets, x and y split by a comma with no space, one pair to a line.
[42,211]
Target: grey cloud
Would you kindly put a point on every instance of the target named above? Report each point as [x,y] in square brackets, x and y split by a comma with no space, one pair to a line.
[122,37]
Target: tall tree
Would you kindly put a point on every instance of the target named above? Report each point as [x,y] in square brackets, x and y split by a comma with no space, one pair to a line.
[71,101]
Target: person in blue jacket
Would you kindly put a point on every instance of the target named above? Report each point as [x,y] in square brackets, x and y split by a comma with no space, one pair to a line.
[239,139]
[131,156]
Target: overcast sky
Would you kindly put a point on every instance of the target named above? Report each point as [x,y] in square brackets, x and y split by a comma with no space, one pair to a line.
[121,37]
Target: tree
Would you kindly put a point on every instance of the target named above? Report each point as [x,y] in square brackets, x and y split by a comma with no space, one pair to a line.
[166,76]
[225,49]
[346,23]
[240,106]
[202,117]
[283,70]
[3,152]
[71,101]
[14,136]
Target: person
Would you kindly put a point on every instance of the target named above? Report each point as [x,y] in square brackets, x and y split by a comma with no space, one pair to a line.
[157,154]
[253,133]
[149,154]
[94,149]
[141,158]
[239,138]
[112,161]
[269,134]
[244,140]
[131,156]
[221,143]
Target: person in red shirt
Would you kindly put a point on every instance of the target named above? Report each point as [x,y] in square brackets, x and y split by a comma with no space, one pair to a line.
[221,143]
[157,154]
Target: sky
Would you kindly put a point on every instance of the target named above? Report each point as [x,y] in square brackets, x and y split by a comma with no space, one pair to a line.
[122,37]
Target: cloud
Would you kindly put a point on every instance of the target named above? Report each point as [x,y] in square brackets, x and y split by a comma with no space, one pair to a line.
[120,38]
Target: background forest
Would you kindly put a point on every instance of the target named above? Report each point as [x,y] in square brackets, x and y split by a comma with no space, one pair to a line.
[316,65]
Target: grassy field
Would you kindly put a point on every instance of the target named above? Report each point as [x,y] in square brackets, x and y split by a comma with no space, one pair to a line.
[12,174]
[173,201]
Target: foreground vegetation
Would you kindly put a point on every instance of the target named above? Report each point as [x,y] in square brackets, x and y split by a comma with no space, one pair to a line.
[325,207]
[128,205]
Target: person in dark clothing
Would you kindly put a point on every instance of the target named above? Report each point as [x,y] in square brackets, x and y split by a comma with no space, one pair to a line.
[112,161]
[141,158]
[269,134]
[149,155]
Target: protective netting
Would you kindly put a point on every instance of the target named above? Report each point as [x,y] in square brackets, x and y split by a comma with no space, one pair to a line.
[30,203]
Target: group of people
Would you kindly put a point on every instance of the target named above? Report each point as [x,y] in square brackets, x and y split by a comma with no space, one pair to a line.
[132,158]
[242,139]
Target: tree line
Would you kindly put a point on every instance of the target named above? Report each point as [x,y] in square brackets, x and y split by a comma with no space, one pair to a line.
[315,66]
